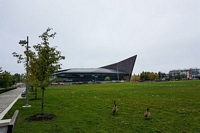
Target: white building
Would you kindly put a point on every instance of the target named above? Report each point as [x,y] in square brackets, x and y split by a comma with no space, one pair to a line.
[191,73]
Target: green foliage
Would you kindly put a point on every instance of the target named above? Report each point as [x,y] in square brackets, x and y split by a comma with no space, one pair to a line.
[136,77]
[1,69]
[40,63]
[22,78]
[107,78]
[27,53]
[5,79]
[179,76]
[44,62]
[153,76]
[57,80]
[88,108]
[143,76]
[16,78]
[148,76]
[126,78]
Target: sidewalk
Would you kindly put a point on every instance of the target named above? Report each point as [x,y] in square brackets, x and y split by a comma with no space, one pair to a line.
[8,99]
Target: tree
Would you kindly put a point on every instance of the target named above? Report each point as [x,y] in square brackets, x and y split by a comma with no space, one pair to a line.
[5,79]
[43,63]
[126,78]
[177,76]
[23,77]
[170,76]
[15,78]
[136,77]
[142,75]
[1,70]
[107,78]
[159,75]
[148,76]
[183,76]
[152,76]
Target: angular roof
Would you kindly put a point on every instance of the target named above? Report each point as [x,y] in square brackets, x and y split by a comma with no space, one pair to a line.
[124,66]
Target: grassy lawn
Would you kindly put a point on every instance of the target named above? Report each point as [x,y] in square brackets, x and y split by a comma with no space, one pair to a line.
[174,107]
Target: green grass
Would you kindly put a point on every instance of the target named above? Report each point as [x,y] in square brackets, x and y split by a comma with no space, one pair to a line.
[174,107]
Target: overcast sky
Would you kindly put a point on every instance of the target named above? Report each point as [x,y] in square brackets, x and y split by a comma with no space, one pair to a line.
[164,34]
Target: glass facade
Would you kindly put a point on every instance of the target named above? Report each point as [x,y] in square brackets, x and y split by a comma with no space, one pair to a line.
[90,77]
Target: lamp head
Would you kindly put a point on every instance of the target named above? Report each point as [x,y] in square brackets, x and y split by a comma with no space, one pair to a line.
[22,42]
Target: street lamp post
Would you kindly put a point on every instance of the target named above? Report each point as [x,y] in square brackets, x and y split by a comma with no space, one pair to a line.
[27,61]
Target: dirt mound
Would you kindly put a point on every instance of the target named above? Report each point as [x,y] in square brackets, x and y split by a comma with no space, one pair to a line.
[41,117]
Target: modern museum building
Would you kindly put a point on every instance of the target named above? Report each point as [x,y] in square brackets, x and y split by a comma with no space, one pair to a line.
[117,71]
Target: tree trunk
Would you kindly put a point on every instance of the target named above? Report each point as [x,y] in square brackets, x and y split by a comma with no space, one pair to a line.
[31,88]
[35,93]
[42,100]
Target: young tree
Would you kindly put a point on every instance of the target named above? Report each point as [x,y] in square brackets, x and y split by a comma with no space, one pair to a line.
[43,63]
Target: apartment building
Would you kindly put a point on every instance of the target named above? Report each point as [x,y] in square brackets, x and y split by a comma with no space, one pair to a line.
[191,73]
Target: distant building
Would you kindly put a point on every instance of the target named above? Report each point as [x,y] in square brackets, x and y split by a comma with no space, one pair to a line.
[117,71]
[191,73]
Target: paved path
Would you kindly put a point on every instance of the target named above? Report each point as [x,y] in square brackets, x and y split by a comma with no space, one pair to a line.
[8,99]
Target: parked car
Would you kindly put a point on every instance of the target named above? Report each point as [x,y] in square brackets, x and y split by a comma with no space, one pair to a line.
[60,83]
[57,83]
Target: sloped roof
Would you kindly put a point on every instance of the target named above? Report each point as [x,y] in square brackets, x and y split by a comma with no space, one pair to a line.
[124,66]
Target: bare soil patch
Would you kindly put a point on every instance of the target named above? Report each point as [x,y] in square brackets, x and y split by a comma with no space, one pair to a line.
[41,117]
